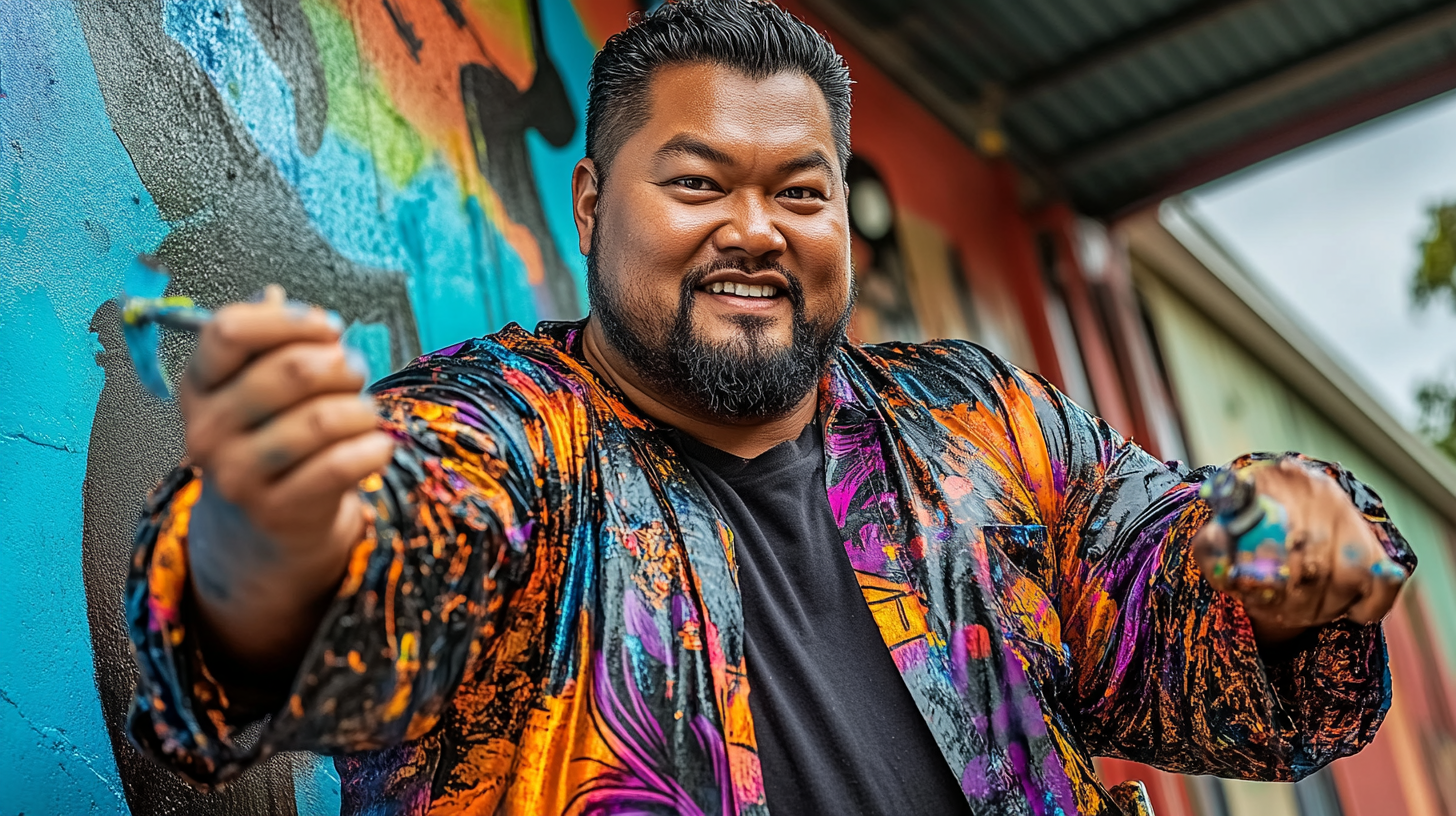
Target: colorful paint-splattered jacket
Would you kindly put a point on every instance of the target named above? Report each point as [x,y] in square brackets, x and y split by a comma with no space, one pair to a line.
[544,617]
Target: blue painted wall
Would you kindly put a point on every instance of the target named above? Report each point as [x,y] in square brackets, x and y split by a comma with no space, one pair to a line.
[243,142]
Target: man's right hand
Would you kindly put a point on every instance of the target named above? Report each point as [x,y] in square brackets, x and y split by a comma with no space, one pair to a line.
[277,425]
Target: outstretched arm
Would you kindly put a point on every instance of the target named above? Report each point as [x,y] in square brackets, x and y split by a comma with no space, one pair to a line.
[1166,641]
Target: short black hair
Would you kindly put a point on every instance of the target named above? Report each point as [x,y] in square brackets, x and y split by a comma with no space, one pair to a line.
[755,37]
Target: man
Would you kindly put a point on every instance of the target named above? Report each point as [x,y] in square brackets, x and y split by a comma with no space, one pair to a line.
[698,554]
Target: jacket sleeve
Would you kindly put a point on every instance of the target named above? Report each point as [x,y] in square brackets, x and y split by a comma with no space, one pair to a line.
[480,462]
[1165,669]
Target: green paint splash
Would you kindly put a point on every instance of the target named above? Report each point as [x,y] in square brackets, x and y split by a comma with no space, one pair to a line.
[360,109]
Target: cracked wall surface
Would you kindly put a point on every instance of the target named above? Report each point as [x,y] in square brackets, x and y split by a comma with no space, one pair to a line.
[406,164]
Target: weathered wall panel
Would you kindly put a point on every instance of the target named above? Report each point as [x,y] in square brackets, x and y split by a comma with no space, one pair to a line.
[1232,404]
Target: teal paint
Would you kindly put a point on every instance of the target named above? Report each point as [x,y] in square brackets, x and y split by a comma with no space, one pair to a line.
[64,169]
[318,793]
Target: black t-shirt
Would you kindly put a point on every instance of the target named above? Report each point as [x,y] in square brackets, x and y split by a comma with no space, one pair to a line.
[838,732]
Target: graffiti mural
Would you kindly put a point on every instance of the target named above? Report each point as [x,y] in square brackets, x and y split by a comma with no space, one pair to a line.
[404,162]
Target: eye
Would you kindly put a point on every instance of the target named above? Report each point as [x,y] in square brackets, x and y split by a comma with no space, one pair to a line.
[695,183]
[801,193]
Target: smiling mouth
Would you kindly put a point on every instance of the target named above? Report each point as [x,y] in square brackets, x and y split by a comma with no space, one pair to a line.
[741,289]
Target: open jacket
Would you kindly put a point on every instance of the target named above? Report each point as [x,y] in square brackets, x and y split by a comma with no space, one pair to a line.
[544,616]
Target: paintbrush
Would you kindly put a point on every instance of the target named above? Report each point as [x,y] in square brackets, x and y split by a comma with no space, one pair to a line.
[140,317]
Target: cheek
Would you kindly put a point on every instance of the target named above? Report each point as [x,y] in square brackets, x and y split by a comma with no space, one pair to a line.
[629,250]
[657,240]
[823,262]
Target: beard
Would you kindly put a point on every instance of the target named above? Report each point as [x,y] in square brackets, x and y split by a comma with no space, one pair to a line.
[747,378]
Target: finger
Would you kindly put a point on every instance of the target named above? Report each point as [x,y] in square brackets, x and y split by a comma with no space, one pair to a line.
[242,331]
[272,384]
[318,483]
[1350,579]
[1309,577]
[1358,568]
[1368,568]
[1387,577]
[1211,551]
[250,462]
[308,428]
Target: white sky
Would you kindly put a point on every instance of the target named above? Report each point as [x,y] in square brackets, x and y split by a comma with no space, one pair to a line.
[1333,230]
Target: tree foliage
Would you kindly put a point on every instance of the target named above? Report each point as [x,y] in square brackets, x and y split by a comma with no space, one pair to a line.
[1436,277]
[1435,280]
[1437,401]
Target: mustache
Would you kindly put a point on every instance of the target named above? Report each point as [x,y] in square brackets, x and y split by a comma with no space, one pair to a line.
[694,278]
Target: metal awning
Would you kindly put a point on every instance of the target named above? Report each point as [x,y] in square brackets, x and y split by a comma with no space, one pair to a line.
[1122,102]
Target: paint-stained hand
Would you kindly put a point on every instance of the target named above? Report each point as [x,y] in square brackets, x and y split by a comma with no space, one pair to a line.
[277,425]
[1329,564]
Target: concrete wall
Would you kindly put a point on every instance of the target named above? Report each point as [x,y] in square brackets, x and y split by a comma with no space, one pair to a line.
[405,162]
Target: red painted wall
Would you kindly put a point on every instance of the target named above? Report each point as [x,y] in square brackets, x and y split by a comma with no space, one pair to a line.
[930,172]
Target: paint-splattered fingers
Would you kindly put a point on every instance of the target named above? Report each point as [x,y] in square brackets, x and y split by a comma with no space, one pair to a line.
[242,331]
[1326,564]
[269,386]
[277,426]
[1337,566]
[319,481]
[1383,581]
[1363,580]
[252,461]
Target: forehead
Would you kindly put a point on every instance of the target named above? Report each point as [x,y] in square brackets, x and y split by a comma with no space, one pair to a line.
[732,110]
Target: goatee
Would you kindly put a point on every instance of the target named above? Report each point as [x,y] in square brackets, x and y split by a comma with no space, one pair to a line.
[747,378]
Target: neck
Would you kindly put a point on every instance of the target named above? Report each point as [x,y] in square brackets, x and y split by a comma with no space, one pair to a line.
[745,439]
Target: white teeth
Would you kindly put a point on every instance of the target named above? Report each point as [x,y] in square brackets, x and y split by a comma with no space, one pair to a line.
[742,289]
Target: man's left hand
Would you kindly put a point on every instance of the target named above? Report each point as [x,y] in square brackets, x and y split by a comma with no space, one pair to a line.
[1331,564]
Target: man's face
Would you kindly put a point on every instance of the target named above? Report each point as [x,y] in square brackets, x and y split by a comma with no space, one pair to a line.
[719,259]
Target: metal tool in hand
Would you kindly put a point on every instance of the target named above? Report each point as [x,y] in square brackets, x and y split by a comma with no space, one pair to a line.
[1258,529]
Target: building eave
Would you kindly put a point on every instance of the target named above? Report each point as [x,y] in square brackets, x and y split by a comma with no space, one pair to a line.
[1172,245]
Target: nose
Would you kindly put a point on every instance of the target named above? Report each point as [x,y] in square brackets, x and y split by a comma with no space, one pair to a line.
[750,227]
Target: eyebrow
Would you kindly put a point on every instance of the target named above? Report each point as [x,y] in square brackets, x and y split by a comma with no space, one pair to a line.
[684,145]
[809,161]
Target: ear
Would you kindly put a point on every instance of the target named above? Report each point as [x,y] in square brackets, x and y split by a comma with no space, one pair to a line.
[584,193]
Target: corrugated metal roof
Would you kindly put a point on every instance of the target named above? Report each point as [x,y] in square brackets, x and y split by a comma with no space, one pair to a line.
[1121,101]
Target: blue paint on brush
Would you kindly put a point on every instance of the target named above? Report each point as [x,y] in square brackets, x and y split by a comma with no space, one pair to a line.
[141,315]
